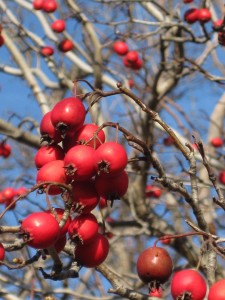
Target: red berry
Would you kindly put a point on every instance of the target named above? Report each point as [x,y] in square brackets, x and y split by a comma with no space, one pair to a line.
[188,1]
[110,158]
[132,56]
[152,191]
[113,187]
[2,252]
[137,65]
[20,191]
[38,4]
[85,197]
[217,290]
[217,142]
[188,282]
[47,51]
[65,45]
[48,153]
[222,177]
[5,149]
[120,48]
[58,26]
[48,131]
[40,230]
[68,115]
[93,254]
[49,6]
[79,163]
[218,23]
[52,172]
[83,135]
[84,228]
[8,193]
[191,15]
[154,265]
[126,62]
[204,15]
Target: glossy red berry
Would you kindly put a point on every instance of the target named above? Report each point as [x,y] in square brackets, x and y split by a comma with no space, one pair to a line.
[120,48]
[58,26]
[204,15]
[154,265]
[188,1]
[48,153]
[222,177]
[110,158]
[85,197]
[5,150]
[132,56]
[113,187]
[217,290]
[93,254]
[191,15]
[2,252]
[217,142]
[65,45]
[68,115]
[20,191]
[47,51]
[38,4]
[8,193]
[49,6]
[79,163]
[52,172]
[48,132]
[83,228]
[86,132]
[40,230]
[188,283]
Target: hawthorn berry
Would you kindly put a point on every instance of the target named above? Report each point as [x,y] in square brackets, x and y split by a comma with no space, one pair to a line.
[58,26]
[217,290]
[68,115]
[217,142]
[83,228]
[52,171]
[120,48]
[47,51]
[191,15]
[154,266]
[189,283]
[40,230]
[94,253]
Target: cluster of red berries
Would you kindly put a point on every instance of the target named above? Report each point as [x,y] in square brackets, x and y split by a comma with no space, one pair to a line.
[58,26]
[76,155]
[131,58]
[8,195]
[193,15]
[5,149]
[155,266]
